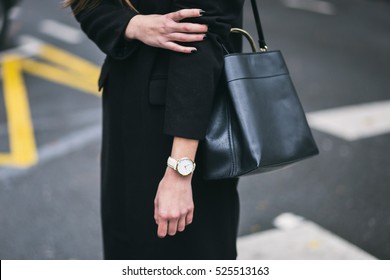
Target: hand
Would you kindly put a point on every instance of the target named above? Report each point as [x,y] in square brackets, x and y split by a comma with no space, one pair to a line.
[173,205]
[163,31]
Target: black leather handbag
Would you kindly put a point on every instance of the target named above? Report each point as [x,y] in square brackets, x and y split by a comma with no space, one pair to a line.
[258,123]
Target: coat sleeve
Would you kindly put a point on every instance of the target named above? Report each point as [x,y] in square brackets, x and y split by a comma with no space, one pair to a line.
[193,78]
[105,25]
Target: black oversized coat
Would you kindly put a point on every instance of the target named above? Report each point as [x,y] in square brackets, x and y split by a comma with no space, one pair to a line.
[149,96]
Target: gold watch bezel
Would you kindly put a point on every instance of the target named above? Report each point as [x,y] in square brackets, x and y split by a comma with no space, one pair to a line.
[178,162]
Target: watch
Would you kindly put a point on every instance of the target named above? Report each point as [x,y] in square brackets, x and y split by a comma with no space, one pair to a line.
[184,166]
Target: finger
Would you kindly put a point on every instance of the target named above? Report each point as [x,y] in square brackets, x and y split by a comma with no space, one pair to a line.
[185,27]
[189,217]
[172,227]
[156,211]
[178,48]
[156,217]
[185,13]
[181,224]
[162,228]
[183,37]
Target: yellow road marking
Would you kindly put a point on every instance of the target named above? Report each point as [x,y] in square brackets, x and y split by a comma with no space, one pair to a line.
[69,61]
[58,75]
[57,66]
[21,135]
[64,68]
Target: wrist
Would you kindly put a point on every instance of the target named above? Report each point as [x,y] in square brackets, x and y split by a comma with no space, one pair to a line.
[132,27]
[184,147]
[173,174]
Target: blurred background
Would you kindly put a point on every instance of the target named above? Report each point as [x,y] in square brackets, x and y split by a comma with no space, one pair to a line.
[333,206]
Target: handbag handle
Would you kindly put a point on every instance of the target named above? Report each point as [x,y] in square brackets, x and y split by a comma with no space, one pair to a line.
[247,35]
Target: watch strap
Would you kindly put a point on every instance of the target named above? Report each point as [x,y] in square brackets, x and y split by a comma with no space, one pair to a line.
[172,163]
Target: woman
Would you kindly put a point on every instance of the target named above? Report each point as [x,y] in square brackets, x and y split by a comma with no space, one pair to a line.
[163,67]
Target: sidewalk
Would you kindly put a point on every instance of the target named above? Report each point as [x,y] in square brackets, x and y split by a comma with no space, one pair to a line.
[297,239]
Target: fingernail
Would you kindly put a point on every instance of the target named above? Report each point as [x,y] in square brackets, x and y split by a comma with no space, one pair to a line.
[201,12]
[205,37]
[194,50]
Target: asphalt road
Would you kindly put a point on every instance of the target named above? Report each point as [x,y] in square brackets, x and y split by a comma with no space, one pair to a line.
[338,53]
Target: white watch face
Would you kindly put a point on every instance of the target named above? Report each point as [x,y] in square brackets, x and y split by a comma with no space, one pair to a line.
[185,166]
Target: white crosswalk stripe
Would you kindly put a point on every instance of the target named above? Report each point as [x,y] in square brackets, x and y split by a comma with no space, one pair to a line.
[295,238]
[353,122]
[316,6]
[61,31]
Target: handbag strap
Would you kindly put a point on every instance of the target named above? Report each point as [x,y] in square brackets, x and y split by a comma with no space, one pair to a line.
[262,44]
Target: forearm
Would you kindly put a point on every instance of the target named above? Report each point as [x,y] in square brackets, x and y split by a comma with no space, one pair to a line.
[184,147]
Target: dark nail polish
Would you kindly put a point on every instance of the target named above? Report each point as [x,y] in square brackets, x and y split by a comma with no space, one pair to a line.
[194,50]
[201,12]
